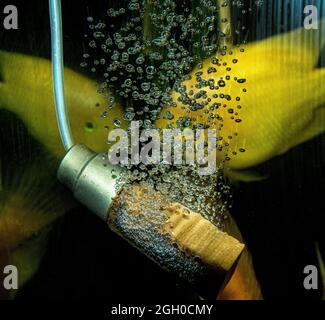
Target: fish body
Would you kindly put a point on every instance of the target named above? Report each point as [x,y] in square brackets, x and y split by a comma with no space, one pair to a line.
[31,198]
[26,89]
[263,99]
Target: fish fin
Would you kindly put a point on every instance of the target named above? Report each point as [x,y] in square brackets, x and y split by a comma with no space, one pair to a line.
[321,267]
[31,197]
[302,46]
[243,176]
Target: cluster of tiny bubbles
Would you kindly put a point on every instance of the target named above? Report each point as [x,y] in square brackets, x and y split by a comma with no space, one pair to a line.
[207,96]
[142,51]
[140,60]
[145,230]
[201,193]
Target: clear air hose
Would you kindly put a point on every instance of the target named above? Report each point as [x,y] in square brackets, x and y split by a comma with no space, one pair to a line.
[58,73]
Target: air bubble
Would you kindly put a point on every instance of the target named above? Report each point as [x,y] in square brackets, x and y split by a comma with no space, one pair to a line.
[221,83]
[145,86]
[117,122]
[150,70]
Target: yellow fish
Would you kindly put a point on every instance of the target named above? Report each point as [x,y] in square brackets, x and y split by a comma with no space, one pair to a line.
[26,89]
[264,98]
[31,198]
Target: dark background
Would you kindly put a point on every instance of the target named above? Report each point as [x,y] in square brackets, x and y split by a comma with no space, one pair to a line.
[281,217]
